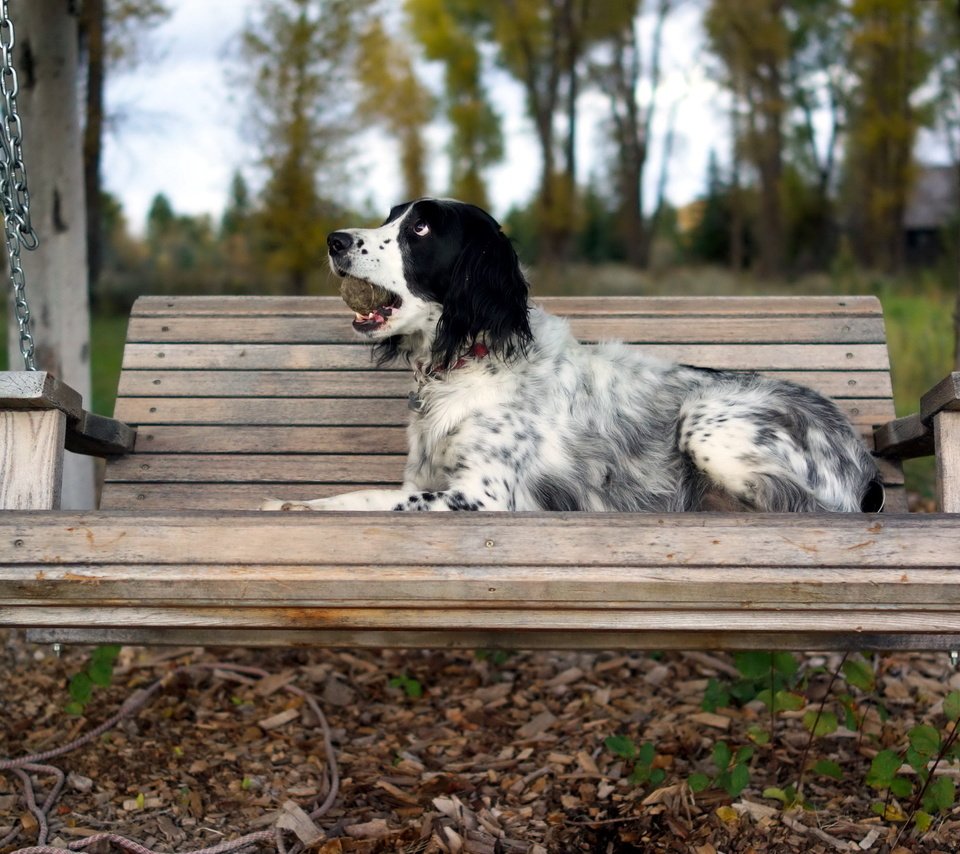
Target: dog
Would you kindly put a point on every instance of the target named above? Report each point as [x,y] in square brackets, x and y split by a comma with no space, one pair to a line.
[513,413]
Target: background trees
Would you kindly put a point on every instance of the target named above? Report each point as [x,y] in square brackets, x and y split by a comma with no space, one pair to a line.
[825,101]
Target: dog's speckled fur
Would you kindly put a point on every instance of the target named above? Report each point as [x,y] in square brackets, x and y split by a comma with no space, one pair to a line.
[514,414]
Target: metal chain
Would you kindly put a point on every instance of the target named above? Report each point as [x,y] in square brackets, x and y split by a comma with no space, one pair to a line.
[14,196]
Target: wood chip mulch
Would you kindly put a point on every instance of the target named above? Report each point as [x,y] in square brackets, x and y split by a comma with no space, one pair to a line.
[497,755]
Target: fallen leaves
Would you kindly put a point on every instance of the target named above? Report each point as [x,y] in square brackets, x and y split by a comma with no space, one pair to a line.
[496,756]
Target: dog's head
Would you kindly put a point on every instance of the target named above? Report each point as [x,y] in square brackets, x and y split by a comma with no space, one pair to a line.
[452,275]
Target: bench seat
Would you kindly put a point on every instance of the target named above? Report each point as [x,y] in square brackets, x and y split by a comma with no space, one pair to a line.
[236,399]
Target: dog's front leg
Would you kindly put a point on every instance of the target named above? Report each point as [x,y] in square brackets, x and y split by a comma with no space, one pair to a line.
[409,499]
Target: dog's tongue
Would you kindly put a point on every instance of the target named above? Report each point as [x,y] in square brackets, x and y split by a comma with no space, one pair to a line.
[363,297]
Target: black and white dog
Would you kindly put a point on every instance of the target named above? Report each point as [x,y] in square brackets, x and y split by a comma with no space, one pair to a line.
[512,413]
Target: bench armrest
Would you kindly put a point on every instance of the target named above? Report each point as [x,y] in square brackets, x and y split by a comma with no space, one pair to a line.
[934,430]
[39,417]
[912,436]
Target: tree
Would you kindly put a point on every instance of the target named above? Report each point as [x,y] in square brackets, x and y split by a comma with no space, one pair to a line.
[751,39]
[46,57]
[620,77]
[945,44]
[444,32]
[540,42]
[239,208]
[819,89]
[946,76]
[392,94]
[890,60]
[110,38]
[298,60]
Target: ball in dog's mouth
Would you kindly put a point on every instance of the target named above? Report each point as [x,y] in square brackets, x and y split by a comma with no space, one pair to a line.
[371,303]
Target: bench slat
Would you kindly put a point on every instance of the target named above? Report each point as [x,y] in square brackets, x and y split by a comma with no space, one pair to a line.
[179,306]
[212,496]
[488,539]
[524,587]
[864,412]
[278,357]
[634,329]
[256,468]
[248,496]
[471,640]
[246,439]
[514,620]
[199,383]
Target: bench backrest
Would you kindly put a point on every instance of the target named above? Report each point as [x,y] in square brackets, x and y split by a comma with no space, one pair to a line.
[240,398]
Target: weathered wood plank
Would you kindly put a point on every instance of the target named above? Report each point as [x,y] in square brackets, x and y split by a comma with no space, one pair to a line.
[309,384]
[200,383]
[329,411]
[289,468]
[761,357]
[248,496]
[946,428]
[244,439]
[212,496]
[660,640]
[532,588]
[460,619]
[375,412]
[178,306]
[904,438]
[38,390]
[896,500]
[633,329]
[945,395]
[98,436]
[486,539]
[31,459]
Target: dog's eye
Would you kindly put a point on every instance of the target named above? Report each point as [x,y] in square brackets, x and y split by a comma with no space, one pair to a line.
[421,229]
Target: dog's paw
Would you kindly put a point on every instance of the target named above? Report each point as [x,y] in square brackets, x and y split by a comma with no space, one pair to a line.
[279,504]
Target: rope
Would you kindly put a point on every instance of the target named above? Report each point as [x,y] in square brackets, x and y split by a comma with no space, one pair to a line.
[23,766]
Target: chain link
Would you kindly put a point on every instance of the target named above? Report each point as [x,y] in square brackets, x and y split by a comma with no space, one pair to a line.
[14,196]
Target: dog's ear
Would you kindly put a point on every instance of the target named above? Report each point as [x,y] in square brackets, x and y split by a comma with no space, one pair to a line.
[486,301]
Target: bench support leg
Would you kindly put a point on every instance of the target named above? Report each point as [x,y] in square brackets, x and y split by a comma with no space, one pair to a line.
[31,459]
[946,432]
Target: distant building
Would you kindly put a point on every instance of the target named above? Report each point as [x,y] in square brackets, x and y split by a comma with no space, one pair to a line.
[933,206]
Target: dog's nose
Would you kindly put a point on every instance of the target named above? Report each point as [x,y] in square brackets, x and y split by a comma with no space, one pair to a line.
[339,242]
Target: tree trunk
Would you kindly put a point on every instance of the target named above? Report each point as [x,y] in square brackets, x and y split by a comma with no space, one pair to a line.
[46,58]
[737,219]
[632,204]
[956,325]
[93,29]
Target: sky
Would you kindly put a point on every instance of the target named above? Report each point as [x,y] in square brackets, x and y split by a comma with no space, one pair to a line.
[177,127]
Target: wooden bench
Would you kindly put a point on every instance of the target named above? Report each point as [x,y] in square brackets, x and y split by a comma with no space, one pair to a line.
[236,399]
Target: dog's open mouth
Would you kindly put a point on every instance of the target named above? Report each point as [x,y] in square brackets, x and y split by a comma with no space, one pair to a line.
[372,304]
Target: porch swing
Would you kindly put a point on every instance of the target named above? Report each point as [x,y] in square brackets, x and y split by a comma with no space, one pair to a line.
[237,398]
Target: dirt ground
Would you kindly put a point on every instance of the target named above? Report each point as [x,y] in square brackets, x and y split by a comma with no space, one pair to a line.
[458,752]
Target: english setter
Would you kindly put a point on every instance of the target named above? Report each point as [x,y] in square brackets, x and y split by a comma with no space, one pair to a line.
[512,413]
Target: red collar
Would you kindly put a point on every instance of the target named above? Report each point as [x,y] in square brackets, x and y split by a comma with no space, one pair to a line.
[475,353]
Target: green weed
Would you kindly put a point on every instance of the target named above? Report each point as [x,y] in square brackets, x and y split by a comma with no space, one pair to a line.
[642,758]
[99,671]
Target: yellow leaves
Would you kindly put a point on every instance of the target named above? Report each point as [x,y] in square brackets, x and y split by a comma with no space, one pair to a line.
[892,812]
[727,814]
